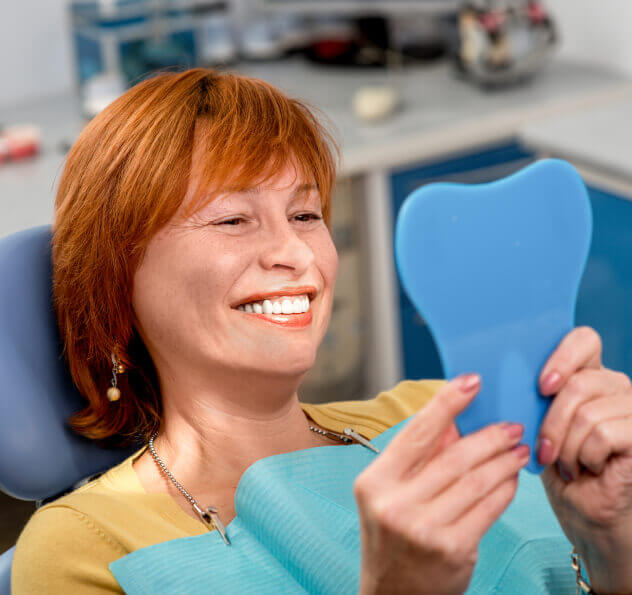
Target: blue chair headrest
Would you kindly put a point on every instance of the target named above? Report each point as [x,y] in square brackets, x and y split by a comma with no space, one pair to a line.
[40,456]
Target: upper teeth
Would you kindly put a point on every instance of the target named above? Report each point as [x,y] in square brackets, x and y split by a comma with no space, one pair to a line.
[295,305]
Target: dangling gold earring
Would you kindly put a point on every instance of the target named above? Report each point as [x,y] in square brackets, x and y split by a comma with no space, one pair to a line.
[114,394]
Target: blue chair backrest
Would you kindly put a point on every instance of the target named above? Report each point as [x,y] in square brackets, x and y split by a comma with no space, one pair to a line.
[40,457]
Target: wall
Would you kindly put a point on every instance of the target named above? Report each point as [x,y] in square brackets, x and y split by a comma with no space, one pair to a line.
[35,50]
[36,53]
[596,31]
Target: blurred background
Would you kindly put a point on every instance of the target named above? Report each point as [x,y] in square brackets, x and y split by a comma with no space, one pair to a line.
[417,90]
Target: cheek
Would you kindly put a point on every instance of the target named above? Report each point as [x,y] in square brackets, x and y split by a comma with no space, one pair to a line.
[327,260]
[150,281]
[327,263]
[334,266]
[177,282]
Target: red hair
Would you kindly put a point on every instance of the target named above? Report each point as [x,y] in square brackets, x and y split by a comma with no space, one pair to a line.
[124,178]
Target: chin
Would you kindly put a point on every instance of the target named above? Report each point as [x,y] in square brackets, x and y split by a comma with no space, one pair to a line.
[295,366]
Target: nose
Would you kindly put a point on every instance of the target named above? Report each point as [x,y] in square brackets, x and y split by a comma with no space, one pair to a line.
[284,248]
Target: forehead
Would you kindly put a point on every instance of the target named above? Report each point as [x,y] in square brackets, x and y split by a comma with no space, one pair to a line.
[274,176]
[291,185]
[287,182]
[218,173]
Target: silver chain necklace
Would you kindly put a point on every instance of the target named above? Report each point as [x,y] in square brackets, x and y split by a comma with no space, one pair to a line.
[210,516]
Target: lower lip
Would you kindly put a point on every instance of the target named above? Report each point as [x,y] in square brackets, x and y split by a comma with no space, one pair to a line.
[287,320]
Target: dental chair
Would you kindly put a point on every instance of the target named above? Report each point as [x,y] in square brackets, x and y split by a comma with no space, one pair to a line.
[41,459]
[540,218]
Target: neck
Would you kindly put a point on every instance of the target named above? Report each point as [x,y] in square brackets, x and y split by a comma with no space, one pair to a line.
[210,436]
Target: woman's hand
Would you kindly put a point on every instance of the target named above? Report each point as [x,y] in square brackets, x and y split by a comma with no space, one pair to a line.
[588,432]
[430,496]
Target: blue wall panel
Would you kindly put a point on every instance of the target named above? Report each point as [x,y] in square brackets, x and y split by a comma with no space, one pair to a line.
[605,293]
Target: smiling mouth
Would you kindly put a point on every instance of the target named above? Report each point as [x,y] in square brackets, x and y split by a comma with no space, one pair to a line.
[294,311]
[299,304]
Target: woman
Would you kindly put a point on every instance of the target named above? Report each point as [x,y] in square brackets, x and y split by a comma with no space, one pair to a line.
[189,212]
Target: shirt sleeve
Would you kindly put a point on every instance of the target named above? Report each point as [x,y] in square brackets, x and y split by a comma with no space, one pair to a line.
[405,399]
[61,551]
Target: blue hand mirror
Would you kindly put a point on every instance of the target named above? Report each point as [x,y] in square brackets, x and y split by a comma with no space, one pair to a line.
[494,269]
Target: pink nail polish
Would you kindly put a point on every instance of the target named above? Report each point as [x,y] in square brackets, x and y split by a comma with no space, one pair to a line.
[521,451]
[550,382]
[514,431]
[468,382]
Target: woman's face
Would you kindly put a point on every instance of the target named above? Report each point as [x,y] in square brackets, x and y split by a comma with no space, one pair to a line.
[243,247]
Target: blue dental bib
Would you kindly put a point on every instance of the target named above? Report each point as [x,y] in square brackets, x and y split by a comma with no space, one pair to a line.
[297,531]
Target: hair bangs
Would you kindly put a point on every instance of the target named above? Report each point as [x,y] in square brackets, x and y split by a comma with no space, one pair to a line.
[253,139]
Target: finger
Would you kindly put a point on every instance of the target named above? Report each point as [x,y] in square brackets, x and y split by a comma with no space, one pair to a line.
[451,436]
[553,483]
[608,438]
[477,521]
[448,506]
[583,386]
[581,348]
[421,436]
[586,418]
[460,458]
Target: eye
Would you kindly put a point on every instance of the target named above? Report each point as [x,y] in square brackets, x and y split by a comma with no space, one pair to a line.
[306,217]
[232,222]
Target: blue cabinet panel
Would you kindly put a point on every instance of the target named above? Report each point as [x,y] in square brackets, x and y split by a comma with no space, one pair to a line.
[605,293]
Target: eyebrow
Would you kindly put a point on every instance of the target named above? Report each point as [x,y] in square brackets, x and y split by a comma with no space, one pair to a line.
[303,188]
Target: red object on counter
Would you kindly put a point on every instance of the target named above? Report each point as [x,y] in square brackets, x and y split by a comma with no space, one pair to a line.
[332,48]
[19,142]
[492,21]
[536,12]
[4,149]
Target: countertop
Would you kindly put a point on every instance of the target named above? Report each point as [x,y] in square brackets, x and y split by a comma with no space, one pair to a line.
[440,114]
[597,139]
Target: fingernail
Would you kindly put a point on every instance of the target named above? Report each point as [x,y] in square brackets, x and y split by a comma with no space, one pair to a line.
[468,382]
[544,449]
[550,382]
[514,431]
[521,451]
[565,474]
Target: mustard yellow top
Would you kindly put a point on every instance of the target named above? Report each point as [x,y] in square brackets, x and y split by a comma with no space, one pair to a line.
[67,544]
